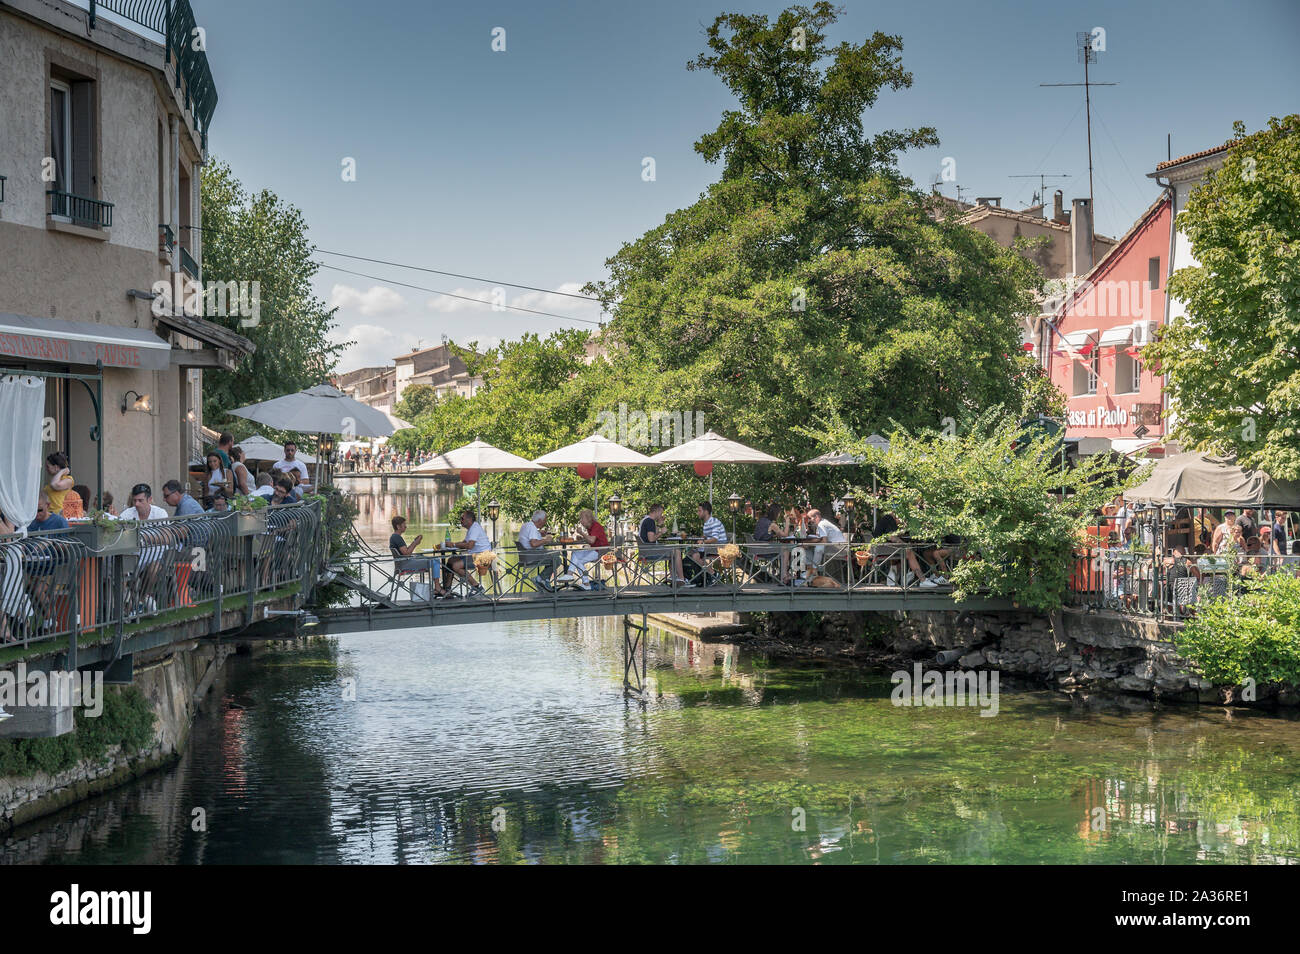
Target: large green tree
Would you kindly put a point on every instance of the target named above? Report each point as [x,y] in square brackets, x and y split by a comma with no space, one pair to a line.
[811,278]
[1234,361]
[260,238]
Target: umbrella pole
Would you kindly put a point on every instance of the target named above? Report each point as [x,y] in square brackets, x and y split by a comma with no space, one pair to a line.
[596,498]
[874,520]
[710,488]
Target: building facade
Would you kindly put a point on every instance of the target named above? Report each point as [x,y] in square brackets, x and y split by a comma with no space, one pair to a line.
[439,368]
[375,386]
[103,126]
[1114,402]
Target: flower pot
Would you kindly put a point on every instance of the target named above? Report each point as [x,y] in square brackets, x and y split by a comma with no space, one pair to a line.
[251,522]
[862,557]
[121,537]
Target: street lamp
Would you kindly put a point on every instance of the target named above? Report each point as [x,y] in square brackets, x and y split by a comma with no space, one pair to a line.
[615,503]
[850,502]
[733,504]
[494,511]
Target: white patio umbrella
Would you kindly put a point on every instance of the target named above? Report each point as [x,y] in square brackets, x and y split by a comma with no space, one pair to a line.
[597,451]
[478,456]
[258,447]
[845,459]
[715,449]
[323,409]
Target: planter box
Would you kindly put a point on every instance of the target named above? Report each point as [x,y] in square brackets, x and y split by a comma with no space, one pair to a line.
[251,523]
[120,538]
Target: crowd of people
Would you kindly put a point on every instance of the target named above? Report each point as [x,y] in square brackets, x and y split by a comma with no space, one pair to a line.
[381,460]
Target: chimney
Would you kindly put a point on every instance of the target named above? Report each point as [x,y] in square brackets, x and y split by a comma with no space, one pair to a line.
[1058,209]
[1081,236]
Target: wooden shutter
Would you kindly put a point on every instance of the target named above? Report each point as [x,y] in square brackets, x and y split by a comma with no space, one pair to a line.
[84,175]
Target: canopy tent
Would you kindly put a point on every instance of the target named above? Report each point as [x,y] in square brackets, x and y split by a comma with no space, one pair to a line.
[1204,480]
[596,451]
[258,447]
[713,448]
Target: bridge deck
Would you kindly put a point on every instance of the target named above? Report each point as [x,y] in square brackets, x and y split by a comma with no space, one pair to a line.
[636,600]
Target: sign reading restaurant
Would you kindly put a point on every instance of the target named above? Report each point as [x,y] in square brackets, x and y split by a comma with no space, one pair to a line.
[79,343]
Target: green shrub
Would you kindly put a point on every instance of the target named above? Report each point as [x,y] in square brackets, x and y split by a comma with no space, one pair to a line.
[1254,634]
[127,720]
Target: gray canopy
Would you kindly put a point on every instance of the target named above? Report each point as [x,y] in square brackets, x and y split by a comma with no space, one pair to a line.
[320,410]
[1203,480]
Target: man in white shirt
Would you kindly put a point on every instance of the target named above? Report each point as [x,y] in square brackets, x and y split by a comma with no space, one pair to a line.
[532,550]
[291,462]
[265,486]
[150,562]
[827,532]
[476,541]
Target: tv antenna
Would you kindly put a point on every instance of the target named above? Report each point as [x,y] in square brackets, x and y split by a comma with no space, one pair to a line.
[1088,50]
[1042,178]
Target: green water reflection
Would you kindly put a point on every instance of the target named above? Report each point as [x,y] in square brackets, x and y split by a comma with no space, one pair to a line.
[513,743]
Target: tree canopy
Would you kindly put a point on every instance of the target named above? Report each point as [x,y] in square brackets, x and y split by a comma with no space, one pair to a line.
[1234,361]
[260,238]
[810,278]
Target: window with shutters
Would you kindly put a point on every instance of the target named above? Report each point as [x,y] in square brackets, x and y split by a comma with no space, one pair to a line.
[73,176]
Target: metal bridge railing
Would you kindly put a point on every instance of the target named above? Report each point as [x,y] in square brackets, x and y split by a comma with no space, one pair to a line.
[1165,587]
[629,569]
[65,584]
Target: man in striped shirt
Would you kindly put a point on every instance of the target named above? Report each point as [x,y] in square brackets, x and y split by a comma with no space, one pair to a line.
[714,533]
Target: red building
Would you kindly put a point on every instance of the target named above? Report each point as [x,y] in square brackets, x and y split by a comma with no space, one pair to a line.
[1096,339]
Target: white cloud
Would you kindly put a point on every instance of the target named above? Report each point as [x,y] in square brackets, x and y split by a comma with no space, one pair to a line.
[374,301]
[373,346]
[547,301]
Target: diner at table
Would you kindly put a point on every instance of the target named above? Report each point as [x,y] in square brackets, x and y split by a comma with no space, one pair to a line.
[533,541]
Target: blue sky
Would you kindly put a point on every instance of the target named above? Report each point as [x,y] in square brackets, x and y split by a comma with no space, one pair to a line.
[525,165]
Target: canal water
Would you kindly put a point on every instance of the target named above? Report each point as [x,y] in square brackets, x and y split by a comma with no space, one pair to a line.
[514,743]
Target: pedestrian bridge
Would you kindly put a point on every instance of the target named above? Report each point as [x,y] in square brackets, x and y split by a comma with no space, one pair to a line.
[753,582]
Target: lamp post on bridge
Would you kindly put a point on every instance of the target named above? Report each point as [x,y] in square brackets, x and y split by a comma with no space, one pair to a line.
[494,511]
[733,504]
[615,509]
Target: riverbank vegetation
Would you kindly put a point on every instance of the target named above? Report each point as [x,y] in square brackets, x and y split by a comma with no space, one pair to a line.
[127,721]
[1253,634]
[1017,509]
[810,278]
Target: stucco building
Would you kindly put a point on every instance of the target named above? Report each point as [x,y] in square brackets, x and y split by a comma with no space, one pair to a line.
[103,129]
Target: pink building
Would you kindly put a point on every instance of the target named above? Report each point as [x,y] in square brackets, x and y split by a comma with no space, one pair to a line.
[1094,350]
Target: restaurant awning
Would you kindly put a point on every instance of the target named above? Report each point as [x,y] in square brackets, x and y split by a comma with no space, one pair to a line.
[1119,335]
[27,338]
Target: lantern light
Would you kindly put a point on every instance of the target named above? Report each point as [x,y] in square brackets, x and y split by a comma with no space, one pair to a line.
[493,510]
[615,504]
[849,502]
[733,502]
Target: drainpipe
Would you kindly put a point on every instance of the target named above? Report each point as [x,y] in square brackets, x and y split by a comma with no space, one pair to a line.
[174,167]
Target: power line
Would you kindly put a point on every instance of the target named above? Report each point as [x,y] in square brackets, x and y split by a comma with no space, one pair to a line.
[477,301]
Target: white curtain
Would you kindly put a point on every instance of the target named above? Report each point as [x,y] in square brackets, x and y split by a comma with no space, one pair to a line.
[22,413]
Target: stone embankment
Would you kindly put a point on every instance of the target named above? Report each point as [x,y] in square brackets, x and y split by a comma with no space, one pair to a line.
[1072,651]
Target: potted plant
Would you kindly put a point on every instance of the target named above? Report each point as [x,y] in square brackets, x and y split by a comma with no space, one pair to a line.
[105,535]
[250,514]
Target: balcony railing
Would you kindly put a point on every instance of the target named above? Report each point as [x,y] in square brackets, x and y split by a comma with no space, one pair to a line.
[189,266]
[80,209]
[166,239]
[174,21]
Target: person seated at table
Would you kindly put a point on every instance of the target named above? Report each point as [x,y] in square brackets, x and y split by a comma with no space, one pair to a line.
[939,556]
[220,504]
[404,562]
[476,541]
[265,486]
[175,496]
[650,550]
[590,532]
[888,542]
[149,564]
[533,542]
[825,531]
[47,518]
[282,492]
[712,533]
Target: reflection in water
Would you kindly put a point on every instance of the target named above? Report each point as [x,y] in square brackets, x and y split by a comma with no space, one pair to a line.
[514,743]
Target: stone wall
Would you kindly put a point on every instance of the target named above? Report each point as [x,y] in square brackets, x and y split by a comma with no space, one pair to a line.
[174,681]
[1073,650]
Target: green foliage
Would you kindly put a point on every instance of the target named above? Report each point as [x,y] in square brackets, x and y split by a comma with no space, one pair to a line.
[261,238]
[417,400]
[127,720]
[1251,634]
[810,279]
[1233,362]
[340,510]
[1018,511]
